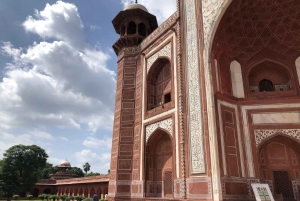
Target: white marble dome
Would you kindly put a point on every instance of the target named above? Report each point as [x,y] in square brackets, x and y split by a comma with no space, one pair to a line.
[65,163]
[135,6]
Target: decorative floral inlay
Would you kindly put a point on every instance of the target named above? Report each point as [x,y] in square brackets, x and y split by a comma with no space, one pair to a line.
[165,124]
[212,9]
[194,99]
[260,135]
[165,51]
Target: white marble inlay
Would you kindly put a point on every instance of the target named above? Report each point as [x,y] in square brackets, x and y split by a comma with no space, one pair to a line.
[276,118]
[260,135]
[195,120]
[165,51]
[164,124]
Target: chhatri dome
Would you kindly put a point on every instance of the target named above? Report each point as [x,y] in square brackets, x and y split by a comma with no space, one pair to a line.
[136,5]
[65,163]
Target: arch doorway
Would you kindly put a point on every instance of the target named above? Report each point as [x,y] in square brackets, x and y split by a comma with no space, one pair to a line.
[280,165]
[159,165]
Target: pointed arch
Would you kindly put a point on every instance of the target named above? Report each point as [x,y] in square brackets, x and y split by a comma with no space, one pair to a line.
[164,125]
[159,165]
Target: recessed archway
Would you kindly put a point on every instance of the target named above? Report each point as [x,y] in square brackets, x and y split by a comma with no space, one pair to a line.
[279,163]
[159,165]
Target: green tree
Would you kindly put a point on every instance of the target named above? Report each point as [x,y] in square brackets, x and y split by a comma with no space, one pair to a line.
[47,170]
[86,167]
[21,168]
[9,180]
[77,171]
[1,164]
[92,174]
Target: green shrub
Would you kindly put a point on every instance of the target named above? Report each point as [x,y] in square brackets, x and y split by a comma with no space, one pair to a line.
[42,196]
[102,199]
[63,197]
[16,197]
[72,197]
[88,199]
[79,198]
[53,197]
[29,197]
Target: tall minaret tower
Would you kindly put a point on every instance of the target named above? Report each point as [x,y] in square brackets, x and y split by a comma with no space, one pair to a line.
[133,24]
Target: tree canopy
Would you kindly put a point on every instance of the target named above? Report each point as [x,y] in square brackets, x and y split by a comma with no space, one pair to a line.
[47,170]
[77,171]
[92,174]
[21,168]
[86,167]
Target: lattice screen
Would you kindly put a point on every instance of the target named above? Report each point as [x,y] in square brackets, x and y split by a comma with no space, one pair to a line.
[168,184]
[282,183]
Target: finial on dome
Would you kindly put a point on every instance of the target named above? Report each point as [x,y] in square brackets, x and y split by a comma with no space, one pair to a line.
[136,1]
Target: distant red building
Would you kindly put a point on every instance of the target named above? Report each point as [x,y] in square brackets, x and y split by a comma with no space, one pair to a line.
[64,182]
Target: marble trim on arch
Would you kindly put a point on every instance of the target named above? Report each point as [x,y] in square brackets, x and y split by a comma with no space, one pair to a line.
[260,135]
[195,111]
[165,51]
[212,11]
[165,124]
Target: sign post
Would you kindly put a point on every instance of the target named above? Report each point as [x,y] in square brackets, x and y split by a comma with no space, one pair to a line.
[262,192]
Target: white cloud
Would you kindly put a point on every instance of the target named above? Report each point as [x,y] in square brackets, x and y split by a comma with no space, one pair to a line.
[41,134]
[60,21]
[63,138]
[94,27]
[8,140]
[162,9]
[96,143]
[99,164]
[54,161]
[64,83]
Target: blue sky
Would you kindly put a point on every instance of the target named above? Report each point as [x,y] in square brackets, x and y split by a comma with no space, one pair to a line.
[57,76]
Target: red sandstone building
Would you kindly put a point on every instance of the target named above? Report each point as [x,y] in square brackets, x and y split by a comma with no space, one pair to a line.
[208,102]
[64,183]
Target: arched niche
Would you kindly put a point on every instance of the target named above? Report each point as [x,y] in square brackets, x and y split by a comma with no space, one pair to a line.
[279,164]
[36,192]
[159,165]
[142,29]
[237,80]
[268,76]
[159,84]
[131,28]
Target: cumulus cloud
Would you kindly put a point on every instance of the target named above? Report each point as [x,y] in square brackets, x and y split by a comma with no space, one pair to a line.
[63,83]
[98,163]
[161,9]
[63,138]
[60,21]
[96,143]
[8,140]
[54,161]
[41,134]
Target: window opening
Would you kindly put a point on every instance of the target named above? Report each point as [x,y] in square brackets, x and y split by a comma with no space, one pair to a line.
[131,29]
[266,85]
[142,29]
[167,97]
